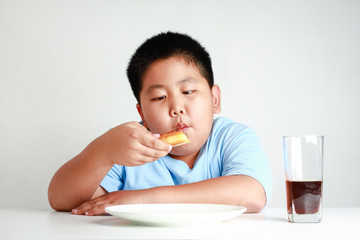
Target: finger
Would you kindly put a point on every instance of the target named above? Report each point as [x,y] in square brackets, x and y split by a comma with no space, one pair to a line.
[158,136]
[149,153]
[86,206]
[151,140]
[97,210]
[141,160]
[80,210]
[153,154]
[139,154]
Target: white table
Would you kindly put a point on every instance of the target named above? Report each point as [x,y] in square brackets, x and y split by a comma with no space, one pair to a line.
[337,223]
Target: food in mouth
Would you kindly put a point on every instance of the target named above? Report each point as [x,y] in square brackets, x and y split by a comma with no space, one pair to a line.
[174,138]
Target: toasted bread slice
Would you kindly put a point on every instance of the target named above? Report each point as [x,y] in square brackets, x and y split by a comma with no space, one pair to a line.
[174,138]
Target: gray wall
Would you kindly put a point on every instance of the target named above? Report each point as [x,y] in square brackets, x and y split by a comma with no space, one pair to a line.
[284,67]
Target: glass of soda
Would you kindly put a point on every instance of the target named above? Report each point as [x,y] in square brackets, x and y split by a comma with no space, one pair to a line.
[303,159]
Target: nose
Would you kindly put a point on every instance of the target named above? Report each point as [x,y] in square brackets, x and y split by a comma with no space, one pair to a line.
[176,113]
[177,109]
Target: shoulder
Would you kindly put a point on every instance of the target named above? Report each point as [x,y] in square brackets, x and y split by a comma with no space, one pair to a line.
[226,133]
[225,127]
[229,136]
[222,123]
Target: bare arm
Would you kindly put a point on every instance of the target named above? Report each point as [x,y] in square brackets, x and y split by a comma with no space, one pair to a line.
[78,180]
[235,190]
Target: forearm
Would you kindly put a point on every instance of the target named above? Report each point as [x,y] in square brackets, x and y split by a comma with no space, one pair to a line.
[235,190]
[77,180]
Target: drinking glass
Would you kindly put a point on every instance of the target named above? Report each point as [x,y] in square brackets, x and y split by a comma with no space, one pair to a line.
[303,158]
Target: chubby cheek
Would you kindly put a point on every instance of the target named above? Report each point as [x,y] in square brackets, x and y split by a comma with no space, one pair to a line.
[157,121]
[200,112]
[201,120]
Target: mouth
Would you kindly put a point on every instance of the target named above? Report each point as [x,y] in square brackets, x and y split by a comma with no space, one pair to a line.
[181,127]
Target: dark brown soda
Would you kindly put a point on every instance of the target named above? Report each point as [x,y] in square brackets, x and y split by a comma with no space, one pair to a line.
[304,196]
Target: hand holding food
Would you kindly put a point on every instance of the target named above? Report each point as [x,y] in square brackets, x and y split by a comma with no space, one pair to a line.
[130,144]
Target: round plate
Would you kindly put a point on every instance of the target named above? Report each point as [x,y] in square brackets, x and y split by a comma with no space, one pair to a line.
[172,214]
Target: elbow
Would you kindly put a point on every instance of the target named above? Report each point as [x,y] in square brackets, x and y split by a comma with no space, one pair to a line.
[257,198]
[256,203]
[56,202]
[255,206]
[54,205]
[58,205]
[253,203]
[249,193]
[52,199]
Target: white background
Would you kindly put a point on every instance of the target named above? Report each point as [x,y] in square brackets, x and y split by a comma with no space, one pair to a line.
[284,67]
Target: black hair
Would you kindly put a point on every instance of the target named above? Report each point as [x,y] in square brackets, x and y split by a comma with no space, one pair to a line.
[163,46]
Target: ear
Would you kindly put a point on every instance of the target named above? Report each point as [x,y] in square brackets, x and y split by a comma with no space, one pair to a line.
[138,107]
[216,98]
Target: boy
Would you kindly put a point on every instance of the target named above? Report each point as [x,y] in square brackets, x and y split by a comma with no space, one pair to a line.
[172,80]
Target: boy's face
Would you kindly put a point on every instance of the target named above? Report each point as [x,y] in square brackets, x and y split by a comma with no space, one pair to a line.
[175,95]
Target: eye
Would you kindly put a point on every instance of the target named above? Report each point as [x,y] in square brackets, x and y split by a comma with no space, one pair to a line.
[188,92]
[159,98]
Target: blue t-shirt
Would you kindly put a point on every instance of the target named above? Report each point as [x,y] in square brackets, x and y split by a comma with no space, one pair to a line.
[231,149]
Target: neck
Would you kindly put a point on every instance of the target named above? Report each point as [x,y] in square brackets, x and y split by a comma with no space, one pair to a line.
[188,159]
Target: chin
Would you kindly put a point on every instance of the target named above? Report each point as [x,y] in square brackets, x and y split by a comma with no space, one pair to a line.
[184,150]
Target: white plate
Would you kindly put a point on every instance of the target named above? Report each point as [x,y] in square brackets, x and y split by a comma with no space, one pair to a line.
[175,214]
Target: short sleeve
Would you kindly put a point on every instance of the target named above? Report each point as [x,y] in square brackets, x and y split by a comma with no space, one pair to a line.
[113,181]
[243,155]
